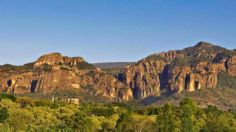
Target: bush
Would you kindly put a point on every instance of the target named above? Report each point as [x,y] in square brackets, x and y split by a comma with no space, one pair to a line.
[42,102]
[3,114]
[24,101]
[7,96]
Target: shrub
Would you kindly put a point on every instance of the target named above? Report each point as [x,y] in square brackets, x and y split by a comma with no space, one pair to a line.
[7,96]
[42,102]
[24,101]
[3,114]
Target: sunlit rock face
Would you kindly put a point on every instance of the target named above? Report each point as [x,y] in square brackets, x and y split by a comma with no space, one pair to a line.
[189,69]
[143,78]
[57,59]
[231,65]
[203,75]
[54,72]
[174,71]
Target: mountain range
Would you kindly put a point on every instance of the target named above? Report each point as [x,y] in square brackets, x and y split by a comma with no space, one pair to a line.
[198,71]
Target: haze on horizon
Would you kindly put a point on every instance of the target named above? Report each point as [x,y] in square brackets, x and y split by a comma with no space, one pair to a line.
[110,30]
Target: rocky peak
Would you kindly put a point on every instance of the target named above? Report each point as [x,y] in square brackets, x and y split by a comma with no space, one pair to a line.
[203,45]
[204,51]
[179,70]
[56,58]
[56,73]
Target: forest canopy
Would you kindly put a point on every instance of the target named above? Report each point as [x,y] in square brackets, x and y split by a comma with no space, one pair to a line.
[27,114]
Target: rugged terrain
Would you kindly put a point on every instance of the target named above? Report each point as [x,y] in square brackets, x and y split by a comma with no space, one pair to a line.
[54,72]
[159,75]
[177,71]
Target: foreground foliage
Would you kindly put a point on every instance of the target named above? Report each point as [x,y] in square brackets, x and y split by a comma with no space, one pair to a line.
[26,114]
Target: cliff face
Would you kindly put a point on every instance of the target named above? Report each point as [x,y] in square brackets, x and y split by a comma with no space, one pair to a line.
[181,70]
[191,78]
[175,71]
[54,72]
[143,78]
[231,65]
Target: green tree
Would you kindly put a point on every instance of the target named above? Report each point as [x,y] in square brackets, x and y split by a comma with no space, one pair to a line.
[24,101]
[167,121]
[20,119]
[219,121]
[121,125]
[4,115]
[188,110]
[82,123]
[141,123]
[7,96]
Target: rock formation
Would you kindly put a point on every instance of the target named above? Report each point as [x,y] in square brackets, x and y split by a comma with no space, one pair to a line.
[189,69]
[54,72]
[181,70]
[231,65]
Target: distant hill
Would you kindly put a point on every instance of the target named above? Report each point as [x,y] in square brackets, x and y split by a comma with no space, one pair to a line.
[109,65]
[113,68]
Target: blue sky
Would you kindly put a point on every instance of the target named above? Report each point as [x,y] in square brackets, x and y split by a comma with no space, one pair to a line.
[111,30]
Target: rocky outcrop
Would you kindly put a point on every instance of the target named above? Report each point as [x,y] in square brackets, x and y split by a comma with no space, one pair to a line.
[54,72]
[57,59]
[191,78]
[170,55]
[143,78]
[231,65]
[190,69]
[105,85]
[181,70]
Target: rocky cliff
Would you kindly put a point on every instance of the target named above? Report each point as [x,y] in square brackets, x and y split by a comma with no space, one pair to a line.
[175,71]
[54,72]
[189,69]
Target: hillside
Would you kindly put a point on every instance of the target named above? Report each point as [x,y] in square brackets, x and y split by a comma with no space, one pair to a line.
[54,72]
[181,71]
[200,71]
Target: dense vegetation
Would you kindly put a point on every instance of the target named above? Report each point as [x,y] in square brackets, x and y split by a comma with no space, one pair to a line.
[27,114]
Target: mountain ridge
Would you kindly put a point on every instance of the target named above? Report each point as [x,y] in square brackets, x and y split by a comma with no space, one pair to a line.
[174,71]
[178,70]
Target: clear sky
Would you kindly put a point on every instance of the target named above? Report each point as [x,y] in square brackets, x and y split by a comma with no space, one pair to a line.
[111,30]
